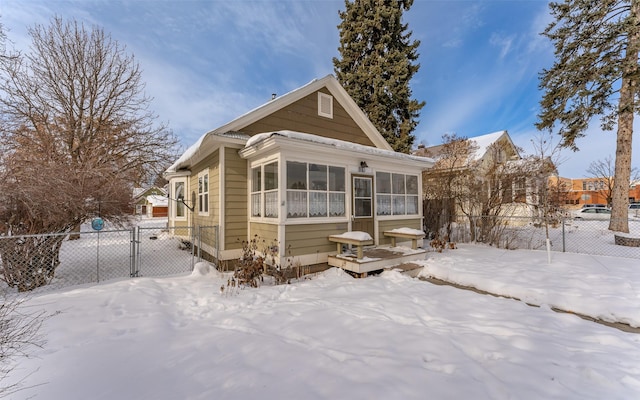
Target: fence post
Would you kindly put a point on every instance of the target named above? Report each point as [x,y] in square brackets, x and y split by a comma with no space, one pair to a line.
[217,243]
[563,237]
[98,259]
[132,252]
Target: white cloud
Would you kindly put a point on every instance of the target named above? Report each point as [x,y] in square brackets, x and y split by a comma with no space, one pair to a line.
[502,42]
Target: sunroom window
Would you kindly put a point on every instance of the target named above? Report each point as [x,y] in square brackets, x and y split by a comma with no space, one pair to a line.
[396,194]
[315,190]
[264,190]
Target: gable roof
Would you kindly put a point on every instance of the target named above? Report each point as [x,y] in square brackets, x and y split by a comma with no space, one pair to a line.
[139,192]
[482,142]
[199,150]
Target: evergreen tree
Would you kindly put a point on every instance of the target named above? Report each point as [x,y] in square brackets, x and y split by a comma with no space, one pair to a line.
[377,62]
[596,73]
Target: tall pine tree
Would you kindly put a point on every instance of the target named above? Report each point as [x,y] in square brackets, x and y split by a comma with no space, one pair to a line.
[377,62]
[596,73]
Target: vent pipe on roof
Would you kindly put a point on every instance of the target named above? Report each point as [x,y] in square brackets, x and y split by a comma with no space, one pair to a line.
[273,96]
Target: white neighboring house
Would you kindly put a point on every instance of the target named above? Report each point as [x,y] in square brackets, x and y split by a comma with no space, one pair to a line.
[495,155]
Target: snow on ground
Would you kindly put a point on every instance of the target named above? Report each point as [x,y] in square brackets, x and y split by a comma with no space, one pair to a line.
[606,288]
[336,337]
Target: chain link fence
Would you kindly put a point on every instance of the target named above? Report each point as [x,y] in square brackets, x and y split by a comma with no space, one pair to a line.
[54,261]
[565,234]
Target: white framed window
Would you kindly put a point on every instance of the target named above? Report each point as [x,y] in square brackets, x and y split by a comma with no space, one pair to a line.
[315,190]
[178,190]
[264,190]
[396,194]
[325,105]
[203,192]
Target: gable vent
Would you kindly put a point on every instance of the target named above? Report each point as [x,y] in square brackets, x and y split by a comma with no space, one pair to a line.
[325,105]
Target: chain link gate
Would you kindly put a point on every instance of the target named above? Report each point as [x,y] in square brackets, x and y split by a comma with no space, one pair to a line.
[98,256]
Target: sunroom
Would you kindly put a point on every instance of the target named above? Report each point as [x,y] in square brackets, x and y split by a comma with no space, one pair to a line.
[304,188]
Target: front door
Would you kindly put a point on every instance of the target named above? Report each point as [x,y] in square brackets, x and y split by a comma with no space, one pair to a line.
[362,207]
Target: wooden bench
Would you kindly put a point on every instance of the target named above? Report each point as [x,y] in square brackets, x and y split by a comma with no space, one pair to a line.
[403,235]
[340,240]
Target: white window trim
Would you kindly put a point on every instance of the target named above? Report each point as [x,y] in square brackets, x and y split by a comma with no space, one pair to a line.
[391,195]
[323,97]
[261,164]
[198,194]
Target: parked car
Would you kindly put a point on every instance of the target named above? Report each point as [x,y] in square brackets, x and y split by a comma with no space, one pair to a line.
[593,205]
[634,206]
[593,213]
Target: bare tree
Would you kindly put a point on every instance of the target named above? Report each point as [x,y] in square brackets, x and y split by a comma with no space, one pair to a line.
[483,189]
[444,182]
[604,172]
[19,334]
[77,135]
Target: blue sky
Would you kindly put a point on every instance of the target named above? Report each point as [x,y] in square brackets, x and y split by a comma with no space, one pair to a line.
[207,62]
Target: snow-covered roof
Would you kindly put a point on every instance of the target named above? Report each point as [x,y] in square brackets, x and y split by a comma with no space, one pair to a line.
[484,142]
[335,143]
[158,201]
[139,191]
[237,124]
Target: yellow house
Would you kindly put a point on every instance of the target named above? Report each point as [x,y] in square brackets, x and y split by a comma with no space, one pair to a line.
[304,166]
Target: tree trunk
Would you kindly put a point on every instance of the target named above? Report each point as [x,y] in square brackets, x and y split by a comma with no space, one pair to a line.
[626,109]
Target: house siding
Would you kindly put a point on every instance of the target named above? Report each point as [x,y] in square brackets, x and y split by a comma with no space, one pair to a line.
[311,238]
[212,162]
[395,224]
[235,202]
[302,116]
[264,232]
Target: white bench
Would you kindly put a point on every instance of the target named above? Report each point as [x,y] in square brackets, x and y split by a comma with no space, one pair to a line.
[404,235]
[358,243]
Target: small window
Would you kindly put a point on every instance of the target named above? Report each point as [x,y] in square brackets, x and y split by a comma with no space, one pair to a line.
[325,105]
[203,193]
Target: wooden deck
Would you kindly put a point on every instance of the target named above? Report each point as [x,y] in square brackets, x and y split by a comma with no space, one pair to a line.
[378,258]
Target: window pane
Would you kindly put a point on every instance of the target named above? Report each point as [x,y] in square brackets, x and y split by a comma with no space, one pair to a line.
[412,205]
[271,176]
[362,207]
[296,175]
[206,182]
[256,182]
[362,187]
[255,205]
[383,182]
[296,204]
[336,179]
[271,204]
[179,194]
[317,204]
[398,205]
[336,205]
[317,177]
[412,184]
[383,204]
[199,184]
[398,184]
[205,207]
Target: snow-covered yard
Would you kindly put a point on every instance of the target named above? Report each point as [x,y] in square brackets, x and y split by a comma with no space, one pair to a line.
[333,336]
